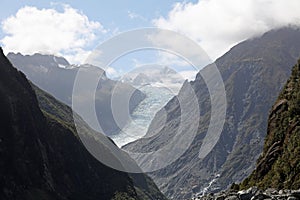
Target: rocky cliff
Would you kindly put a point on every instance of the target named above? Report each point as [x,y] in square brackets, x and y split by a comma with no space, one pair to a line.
[277,170]
[279,165]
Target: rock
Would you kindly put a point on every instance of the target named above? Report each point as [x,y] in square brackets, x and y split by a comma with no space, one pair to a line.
[296,193]
[246,196]
[287,191]
[254,193]
[253,190]
[232,198]
[280,192]
[292,198]
[260,196]
[281,197]
[220,197]
[271,191]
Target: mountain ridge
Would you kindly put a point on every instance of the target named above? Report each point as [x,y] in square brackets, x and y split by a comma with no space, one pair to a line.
[253,71]
[45,72]
[41,156]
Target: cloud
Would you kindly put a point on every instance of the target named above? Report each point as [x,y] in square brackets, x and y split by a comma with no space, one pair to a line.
[217,25]
[111,72]
[67,33]
[178,50]
[189,74]
[169,59]
[133,15]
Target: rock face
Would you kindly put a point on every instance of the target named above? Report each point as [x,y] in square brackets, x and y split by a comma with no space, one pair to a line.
[41,156]
[279,165]
[254,72]
[56,76]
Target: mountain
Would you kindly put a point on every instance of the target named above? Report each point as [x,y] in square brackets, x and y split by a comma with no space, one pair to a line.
[254,71]
[41,156]
[279,165]
[144,186]
[154,75]
[159,84]
[56,76]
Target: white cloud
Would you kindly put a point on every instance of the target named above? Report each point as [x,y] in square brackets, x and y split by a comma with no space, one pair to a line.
[111,72]
[67,33]
[188,74]
[133,15]
[217,25]
[178,50]
[169,59]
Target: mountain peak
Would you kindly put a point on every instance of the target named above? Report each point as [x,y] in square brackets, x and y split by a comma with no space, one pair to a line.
[254,71]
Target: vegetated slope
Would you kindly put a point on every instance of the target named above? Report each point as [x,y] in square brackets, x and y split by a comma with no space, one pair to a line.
[279,165]
[56,76]
[253,72]
[144,186]
[41,156]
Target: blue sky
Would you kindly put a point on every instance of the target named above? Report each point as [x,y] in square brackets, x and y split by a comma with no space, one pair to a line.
[73,28]
[108,12]
[113,14]
[115,17]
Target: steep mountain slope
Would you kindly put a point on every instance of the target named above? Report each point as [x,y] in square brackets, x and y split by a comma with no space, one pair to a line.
[56,76]
[144,186]
[253,71]
[41,156]
[279,165]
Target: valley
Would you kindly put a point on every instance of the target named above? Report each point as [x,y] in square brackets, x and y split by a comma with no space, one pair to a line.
[150,100]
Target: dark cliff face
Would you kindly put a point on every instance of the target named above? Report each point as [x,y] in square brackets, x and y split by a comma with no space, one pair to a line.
[56,76]
[279,165]
[253,72]
[41,156]
[143,185]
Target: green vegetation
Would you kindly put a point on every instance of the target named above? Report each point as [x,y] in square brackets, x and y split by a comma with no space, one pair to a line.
[54,109]
[279,165]
[122,196]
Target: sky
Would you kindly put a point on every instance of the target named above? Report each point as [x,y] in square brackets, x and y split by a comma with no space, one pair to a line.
[73,28]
